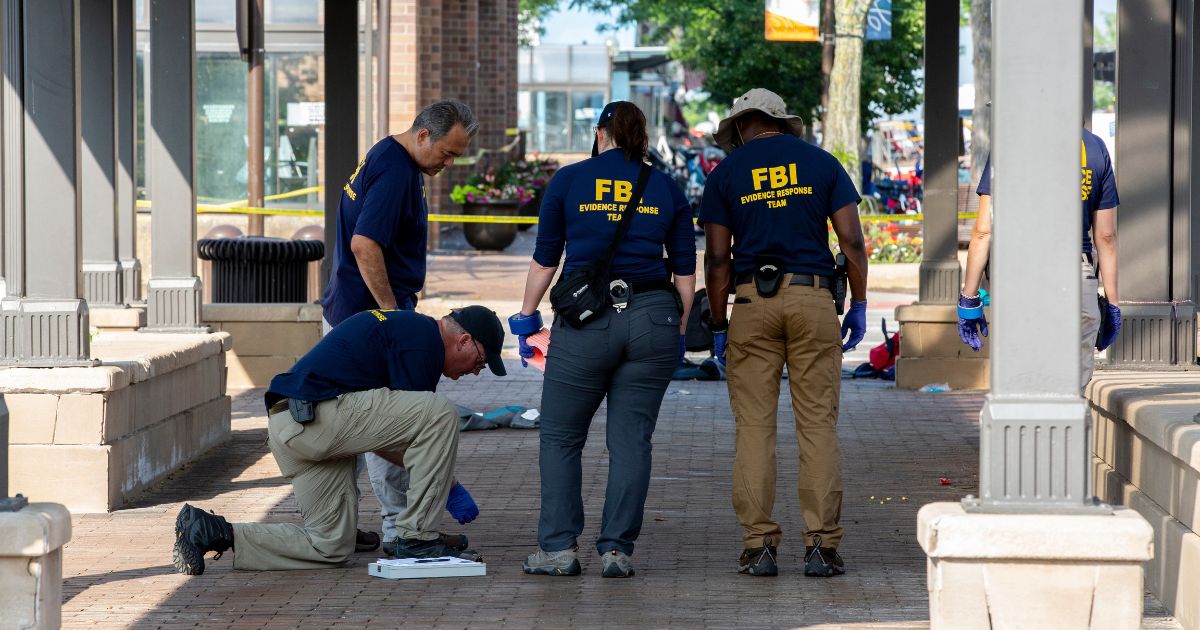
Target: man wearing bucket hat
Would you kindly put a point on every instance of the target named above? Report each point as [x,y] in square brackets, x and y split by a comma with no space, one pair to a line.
[766,211]
[367,386]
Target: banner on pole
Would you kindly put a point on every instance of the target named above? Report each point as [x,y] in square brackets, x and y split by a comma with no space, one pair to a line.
[793,20]
[879,20]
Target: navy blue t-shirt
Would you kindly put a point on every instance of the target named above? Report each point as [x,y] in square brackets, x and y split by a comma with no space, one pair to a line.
[384,200]
[1097,182]
[582,208]
[395,349]
[776,195]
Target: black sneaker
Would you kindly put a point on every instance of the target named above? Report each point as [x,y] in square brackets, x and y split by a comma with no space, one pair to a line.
[436,548]
[365,541]
[759,561]
[822,561]
[456,542]
[196,533]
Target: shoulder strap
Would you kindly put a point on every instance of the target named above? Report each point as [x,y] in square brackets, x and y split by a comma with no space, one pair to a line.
[630,209]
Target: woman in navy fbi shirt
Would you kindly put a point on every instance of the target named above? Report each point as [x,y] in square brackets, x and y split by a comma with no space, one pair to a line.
[627,356]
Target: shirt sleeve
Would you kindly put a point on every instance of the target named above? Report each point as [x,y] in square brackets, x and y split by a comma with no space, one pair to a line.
[383,204]
[1108,184]
[681,236]
[843,193]
[552,224]
[712,204]
[985,178]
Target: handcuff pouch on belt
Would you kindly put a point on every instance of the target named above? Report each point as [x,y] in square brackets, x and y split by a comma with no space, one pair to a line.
[839,283]
[303,411]
[768,275]
[619,294]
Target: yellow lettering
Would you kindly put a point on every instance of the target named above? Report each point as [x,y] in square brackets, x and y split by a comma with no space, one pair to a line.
[350,192]
[602,186]
[778,177]
[622,190]
[792,173]
[777,203]
[760,176]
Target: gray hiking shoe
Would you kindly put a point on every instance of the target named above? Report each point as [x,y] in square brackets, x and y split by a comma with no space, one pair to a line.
[616,565]
[558,563]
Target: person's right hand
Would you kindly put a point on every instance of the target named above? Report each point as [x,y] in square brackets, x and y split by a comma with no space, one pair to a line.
[971,321]
[522,326]
[720,340]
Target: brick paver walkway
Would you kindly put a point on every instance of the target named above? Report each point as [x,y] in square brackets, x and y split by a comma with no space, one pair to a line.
[117,567]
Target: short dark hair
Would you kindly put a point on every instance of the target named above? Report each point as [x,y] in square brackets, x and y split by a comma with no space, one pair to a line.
[440,117]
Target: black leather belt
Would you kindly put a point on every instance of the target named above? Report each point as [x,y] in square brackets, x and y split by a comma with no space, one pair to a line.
[650,285]
[804,279]
[279,407]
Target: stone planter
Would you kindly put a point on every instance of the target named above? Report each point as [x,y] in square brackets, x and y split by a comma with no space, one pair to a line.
[494,236]
[531,208]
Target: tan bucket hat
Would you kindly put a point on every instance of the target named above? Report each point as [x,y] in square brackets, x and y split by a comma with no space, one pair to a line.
[757,99]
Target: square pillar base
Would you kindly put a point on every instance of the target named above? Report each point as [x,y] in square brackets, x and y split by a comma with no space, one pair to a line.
[31,542]
[45,333]
[102,283]
[131,280]
[174,306]
[1033,570]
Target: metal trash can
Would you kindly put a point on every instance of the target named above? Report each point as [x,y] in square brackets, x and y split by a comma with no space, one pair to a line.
[259,269]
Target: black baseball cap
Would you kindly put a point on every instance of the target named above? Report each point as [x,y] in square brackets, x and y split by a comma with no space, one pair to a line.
[483,324]
[606,115]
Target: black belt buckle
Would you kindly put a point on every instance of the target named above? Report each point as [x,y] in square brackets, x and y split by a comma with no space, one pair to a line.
[768,276]
[302,410]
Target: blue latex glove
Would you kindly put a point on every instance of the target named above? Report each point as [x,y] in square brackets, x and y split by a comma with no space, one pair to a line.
[682,349]
[460,504]
[1108,333]
[524,349]
[971,321]
[720,339]
[854,323]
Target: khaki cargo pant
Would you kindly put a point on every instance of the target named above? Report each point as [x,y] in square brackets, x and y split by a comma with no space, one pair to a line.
[797,326]
[1089,324]
[319,459]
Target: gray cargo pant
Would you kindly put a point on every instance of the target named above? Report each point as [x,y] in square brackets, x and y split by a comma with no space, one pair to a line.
[319,459]
[628,357]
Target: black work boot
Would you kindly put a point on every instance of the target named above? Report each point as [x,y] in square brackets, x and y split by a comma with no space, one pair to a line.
[196,533]
[822,561]
[436,548]
[759,561]
[456,542]
[365,541]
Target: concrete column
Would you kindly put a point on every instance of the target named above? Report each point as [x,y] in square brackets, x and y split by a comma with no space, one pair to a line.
[12,184]
[126,172]
[341,114]
[941,275]
[174,300]
[31,541]
[1185,215]
[52,318]
[1034,451]
[1158,327]
[101,269]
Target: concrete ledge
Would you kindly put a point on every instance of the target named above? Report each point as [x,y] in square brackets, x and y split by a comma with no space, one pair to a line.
[931,351]
[1033,570]
[31,543]
[267,339]
[92,438]
[117,319]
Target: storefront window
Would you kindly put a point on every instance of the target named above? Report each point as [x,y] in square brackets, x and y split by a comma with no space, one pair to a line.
[216,12]
[585,107]
[221,172]
[295,104]
[294,12]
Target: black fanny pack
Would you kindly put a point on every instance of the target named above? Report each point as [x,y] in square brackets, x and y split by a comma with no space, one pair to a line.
[583,294]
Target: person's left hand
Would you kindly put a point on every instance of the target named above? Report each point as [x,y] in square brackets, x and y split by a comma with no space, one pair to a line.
[1108,333]
[460,504]
[854,323]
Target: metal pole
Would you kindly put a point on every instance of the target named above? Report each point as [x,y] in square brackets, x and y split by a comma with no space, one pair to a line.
[368,64]
[126,108]
[940,273]
[1034,445]
[254,118]
[341,113]
[384,125]
[101,269]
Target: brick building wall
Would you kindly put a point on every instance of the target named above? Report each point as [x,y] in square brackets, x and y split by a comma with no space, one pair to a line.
[460,49]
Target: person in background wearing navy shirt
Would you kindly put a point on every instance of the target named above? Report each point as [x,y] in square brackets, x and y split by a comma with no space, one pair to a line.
[367,386]
[769,205]
[627,356]
[1098,194]
[379,254]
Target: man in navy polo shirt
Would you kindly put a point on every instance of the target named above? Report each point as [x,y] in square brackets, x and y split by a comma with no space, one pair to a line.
[769,206]
[368,386]
[379,255]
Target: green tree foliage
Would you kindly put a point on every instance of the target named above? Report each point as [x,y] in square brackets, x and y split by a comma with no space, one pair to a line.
[725,41]
[530,14]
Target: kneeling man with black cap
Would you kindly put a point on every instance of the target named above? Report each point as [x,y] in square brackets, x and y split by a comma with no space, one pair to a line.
[367,386]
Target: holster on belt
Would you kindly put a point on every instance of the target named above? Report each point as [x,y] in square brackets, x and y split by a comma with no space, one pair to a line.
[839,283]
[302,410]
[768,275]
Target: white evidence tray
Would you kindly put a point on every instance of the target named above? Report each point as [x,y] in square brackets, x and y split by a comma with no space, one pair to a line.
[408,568]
